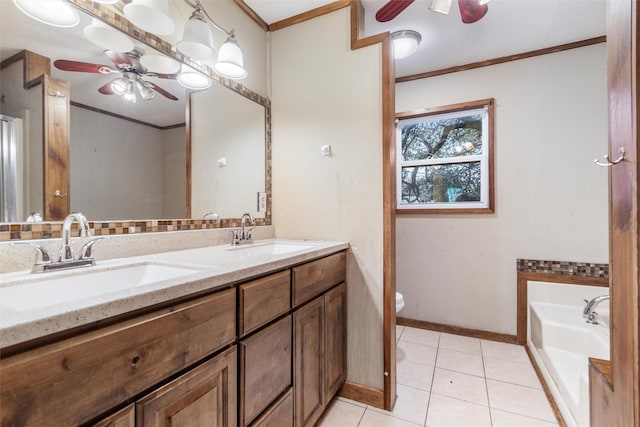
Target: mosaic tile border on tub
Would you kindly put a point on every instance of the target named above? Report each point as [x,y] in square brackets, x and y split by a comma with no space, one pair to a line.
[566,268]
[53,230]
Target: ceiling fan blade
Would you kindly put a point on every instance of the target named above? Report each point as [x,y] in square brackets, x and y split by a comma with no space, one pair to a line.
[392,9]
[106,89]
[84,67]
[118,58]
[160,90]
[472,11]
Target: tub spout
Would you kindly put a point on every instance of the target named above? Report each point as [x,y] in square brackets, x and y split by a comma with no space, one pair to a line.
[589,312]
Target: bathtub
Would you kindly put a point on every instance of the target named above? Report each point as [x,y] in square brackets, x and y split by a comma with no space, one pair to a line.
[561,343]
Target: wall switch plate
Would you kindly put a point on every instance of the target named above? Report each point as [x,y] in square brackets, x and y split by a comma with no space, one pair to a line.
[222,162]
[326,150]
[262,202]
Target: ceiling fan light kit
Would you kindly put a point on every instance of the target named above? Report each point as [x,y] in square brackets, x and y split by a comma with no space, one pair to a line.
[56,13]
[441,6]
[405,43]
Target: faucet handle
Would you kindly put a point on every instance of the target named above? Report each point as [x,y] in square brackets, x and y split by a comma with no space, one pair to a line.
[44,255]
[85,252]
[249,232]
[235,237]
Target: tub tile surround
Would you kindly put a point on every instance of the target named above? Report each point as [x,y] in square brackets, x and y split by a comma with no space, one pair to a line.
[472,382]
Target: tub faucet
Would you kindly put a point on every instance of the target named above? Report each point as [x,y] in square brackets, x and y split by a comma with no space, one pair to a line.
[589,312]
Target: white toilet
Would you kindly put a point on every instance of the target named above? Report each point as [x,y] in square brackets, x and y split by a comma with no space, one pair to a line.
[399,302]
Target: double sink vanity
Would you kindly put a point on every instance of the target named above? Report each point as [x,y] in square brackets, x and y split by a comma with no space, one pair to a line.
[248,335]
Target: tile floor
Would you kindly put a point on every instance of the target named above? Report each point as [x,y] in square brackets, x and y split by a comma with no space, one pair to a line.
[450,380]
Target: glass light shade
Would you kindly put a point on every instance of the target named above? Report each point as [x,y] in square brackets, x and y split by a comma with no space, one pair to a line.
[405,43]
[481,2]
[145,92]
[193,80]
[107,1]
[441,6]
[56,13]
[106,37]
[151,16]
[159,63]
[230,63]
[129,97]
[197,41]
[119,86]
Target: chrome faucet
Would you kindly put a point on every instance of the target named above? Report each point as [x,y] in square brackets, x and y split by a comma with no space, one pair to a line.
[65,258]
[66,253]
[237,236]
[589,312]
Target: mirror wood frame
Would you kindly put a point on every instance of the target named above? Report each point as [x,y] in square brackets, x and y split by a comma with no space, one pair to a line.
[23,231]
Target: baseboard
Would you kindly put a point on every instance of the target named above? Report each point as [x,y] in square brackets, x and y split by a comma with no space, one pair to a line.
[362,394]
[457,330]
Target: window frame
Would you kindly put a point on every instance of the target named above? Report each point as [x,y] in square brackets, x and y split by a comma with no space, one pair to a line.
[486,203]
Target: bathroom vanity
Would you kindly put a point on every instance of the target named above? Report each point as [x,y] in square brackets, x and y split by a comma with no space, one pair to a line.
[258,339]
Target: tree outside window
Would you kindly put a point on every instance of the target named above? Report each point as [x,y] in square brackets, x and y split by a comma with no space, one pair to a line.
[444,159]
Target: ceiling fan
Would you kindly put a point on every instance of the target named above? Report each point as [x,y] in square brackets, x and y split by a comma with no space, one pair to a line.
[128,64]
[470,10]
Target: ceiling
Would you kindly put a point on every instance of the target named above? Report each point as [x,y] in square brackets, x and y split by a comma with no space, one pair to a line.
[509,27]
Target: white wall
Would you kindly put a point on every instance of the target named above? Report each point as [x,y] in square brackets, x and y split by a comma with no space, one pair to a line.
[174,173]
[551,200]
[117,173]
[324,93]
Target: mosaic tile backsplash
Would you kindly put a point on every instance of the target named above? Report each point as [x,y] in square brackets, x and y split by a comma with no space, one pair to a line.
[567,268]
[52,230]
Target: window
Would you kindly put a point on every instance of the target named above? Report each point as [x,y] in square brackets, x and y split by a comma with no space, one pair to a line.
[444,159]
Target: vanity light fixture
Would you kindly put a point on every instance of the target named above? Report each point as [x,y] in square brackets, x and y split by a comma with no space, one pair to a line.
[481,2]
[151,16]
[405,43]
[159,63]
[197,43]
[441,6]
[107,37]
[56,13]
[193,80]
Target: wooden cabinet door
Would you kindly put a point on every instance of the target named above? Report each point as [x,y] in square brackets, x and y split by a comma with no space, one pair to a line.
[335,332]
[280,414]
[123,418]
[308,366]
[203,397]
[265,369]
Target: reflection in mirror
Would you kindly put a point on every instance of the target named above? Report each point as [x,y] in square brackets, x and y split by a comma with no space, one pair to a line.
[128,161]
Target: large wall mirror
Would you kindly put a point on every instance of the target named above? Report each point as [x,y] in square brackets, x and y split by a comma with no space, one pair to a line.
[180,154]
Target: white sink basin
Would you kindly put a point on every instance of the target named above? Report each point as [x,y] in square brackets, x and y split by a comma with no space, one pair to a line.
[86,284]
[272,248]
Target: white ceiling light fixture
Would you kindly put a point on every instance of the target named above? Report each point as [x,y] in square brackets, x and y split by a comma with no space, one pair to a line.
[56,13]
[405,43]
[151,16]
[193,80]
[197,43]
[441,6]
[107,37]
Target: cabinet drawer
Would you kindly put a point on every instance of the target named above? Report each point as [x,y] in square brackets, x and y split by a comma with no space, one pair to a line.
[81,377]
[263,300]
[315,277]
[279,415]
[265,368]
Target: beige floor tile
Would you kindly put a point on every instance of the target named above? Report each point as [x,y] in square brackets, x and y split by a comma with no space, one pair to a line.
[504,351]
[414,375]
[411,404]
[460,362]
[460,386]
[460,343]
[507,419]
[373,418]
[416,353]
[342,414]
[399,330]
[519,399]
[420,336]
[449,412]
[511,372]
[353,402]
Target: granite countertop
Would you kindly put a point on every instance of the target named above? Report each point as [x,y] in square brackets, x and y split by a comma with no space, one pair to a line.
[24,319]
